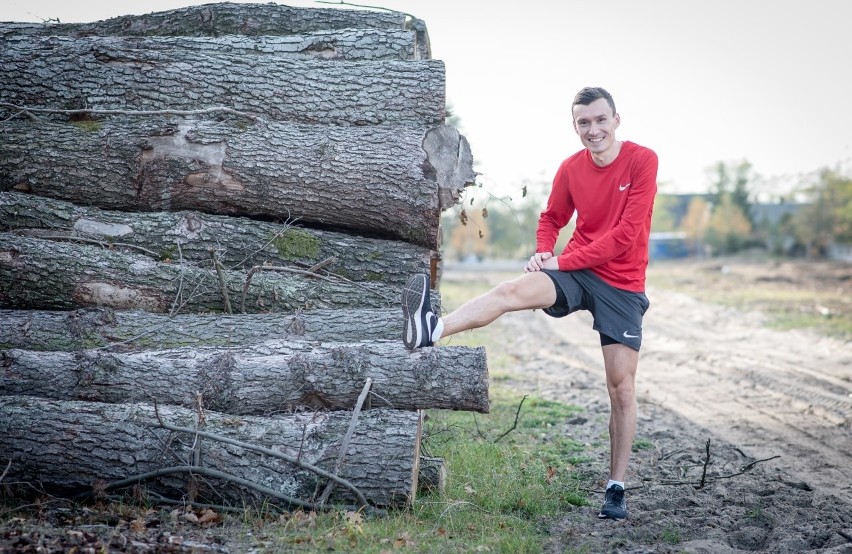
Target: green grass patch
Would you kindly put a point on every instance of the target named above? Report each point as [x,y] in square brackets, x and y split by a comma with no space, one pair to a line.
[641,443]
[671,535]
[500,496]
[793,295]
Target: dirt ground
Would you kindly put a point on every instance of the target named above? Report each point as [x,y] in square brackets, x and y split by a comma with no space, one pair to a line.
[776,407]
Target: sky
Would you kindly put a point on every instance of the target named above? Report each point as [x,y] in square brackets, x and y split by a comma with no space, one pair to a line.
[766,81]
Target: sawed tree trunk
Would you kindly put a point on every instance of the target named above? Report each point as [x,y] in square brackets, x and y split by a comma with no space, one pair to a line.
[72,446]
[124,331]
[259,379]
[239,243]
[114,73]
[382,180]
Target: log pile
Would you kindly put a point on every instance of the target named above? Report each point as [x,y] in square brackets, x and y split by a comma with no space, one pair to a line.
[207,216]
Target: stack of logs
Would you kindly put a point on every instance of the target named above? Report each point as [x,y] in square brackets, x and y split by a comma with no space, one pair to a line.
[207,218]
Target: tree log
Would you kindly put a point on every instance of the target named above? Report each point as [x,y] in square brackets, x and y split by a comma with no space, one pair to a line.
[259,379]
[387,181]
[432,475]
[47,275]
[239,243]
[213,20]
[72,446]
[123,331]
[225,18]
[114,73]
[344,44]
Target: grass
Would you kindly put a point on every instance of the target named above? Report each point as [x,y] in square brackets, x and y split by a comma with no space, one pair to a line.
[500,494]
[791,294]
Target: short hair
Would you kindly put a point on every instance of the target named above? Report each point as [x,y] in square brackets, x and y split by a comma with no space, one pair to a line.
[588,95]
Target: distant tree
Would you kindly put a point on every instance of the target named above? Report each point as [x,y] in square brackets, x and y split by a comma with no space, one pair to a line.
[729,229]
[733,180]
[695,224]
[665,213]
[827,218]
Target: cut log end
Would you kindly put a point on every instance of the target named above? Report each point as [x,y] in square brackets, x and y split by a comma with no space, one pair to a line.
[450,160]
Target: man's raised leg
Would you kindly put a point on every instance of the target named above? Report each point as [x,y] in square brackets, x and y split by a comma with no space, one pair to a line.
[529,291]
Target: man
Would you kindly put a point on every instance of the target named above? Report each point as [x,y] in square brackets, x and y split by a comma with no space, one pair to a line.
[611,185]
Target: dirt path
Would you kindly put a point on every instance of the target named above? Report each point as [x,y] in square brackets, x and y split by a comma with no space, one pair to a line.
[706,372]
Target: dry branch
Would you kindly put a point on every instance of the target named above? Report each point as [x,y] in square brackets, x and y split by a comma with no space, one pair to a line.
[344,444]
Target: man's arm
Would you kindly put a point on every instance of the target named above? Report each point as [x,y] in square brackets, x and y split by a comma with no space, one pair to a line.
[557,214]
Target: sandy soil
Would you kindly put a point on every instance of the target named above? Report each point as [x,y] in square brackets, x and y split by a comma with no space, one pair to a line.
[706,373]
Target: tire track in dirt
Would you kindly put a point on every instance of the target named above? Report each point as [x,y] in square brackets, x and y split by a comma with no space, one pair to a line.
[771,392]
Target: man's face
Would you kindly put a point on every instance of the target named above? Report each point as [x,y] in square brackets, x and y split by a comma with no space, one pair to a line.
[596,125]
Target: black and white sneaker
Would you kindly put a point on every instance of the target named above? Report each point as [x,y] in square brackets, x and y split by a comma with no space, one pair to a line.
[417,313]
[614,506]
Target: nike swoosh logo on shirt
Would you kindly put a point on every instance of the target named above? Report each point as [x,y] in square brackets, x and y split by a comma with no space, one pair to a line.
[630,336]
[622,188]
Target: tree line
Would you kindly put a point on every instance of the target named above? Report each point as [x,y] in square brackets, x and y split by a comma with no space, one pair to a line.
[740,210]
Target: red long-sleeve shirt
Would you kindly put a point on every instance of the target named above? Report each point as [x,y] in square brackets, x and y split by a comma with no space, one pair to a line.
[614,205]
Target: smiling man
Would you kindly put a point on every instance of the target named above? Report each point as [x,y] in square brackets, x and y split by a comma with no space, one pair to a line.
[610,185]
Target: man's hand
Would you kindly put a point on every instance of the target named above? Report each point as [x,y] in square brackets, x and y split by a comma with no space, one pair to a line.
[541,260]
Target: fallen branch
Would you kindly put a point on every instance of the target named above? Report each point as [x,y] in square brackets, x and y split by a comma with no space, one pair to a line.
[322,264]
[207,472]
[5,471]
[344,445]
[706,463]
[517,416]
[222,287]
[272,453]
[744,469]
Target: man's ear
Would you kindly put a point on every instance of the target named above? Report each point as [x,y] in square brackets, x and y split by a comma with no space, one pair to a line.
[574,124]
[617,120]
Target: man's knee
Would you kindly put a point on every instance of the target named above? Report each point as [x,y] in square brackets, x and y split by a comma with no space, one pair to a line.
[533,290]
[623,393]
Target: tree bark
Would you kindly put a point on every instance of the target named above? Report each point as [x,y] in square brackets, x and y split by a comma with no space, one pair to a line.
[344,44]
[114,73]
[71,446]
[386,181]
[261,379]
[224,18]
[125,331]
[239,243]
[47,275]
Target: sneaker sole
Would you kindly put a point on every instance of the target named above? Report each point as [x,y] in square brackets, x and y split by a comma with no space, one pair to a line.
[413,298]
[603,515]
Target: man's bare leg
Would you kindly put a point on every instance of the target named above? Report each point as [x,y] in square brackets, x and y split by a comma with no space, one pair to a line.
[529,291]
[620,362]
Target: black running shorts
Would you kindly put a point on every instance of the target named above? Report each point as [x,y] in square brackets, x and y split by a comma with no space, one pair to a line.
[617,313]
